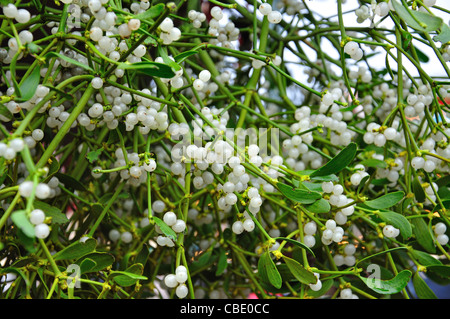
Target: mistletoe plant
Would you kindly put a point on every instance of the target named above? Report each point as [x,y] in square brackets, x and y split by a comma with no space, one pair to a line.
[205,149]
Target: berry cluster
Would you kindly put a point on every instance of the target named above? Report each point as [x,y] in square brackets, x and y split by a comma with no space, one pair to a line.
[142,125]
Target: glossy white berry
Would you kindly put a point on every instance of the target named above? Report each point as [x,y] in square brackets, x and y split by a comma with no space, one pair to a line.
[310,228]
[309,240]
[126,237]
[390,231]
[181,276]
[17,144]
[41,231]
[171,281]
[248,224]
[350,249]
[417,162]
[204,75]
[274,17]
[351,48]
[265,8]
[97,83]
[26,188]
[37,134]
[440,228]
[170,218]
[179,226]
[23,16]
[42,191]
[182,291]
[37,216]
[237,227]
[442,239]
[134,24]
[10,11]
[114,235]
[150,166]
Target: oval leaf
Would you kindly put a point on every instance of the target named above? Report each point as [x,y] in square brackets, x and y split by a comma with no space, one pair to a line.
[297,243]
[29,85]
[417,188]
[151,13]
[299,272]
[149,68]
[320,206]
[385,201]
[337,163]
[388,287]
[418,20]
[423,234]
[303,196]
[165,228]
[51,211]
[269,271]
[76,250]
[20,219]
[102,261]
[423,291]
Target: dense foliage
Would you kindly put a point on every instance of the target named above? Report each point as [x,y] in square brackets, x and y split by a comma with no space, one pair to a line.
[205,149]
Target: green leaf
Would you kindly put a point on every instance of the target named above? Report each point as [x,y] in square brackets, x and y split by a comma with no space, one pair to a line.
[398,221]
[128,277]
[183,56]
[423,234]
[299,272]
[70,182]
[222,263]
[425,259]
[167,60]
[167,230]
[296,243]
[51,211]
[76,250]
[102,261]
[5,112]
[149,68]
[362,183]
[373,162]
[319,206]
[441,270]
[94,155]
[421,288]
[422,56]
[337,163]
[303,196]
[444,35]
[268,270]
[418,190]
[87,265]
[380,253]
[20,219]
[385,201]
[151,13]
[71,61]
[418,20]
[29,85]
[388,287]
[142,256]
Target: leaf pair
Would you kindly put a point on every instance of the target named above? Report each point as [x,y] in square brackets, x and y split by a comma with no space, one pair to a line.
[269,272]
